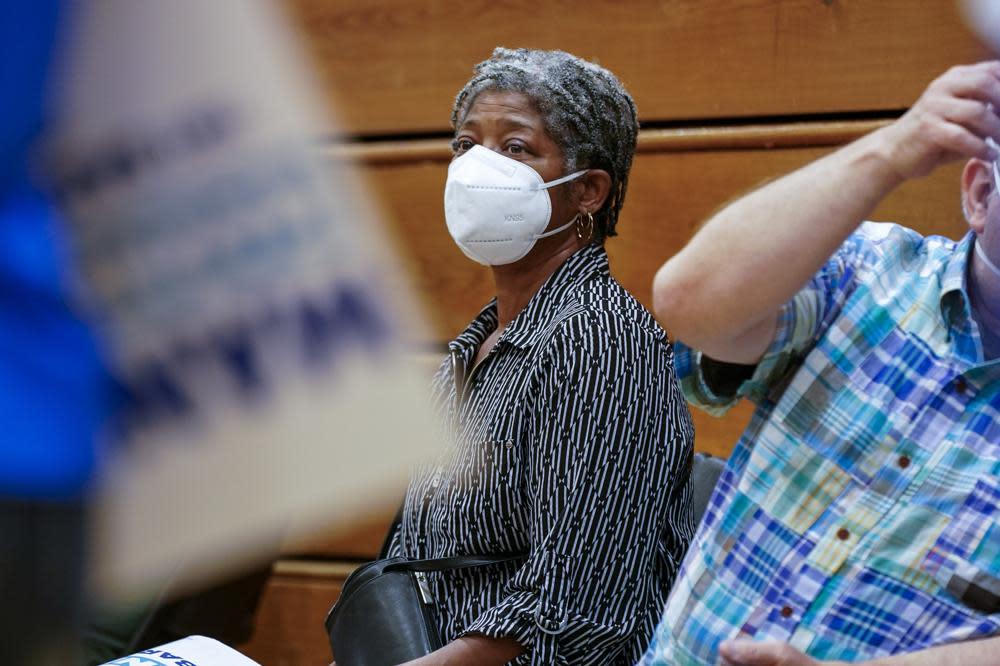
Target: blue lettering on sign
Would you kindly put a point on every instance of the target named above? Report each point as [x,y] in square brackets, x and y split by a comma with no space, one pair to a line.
[140,660]
[347,311]
[155,392]
[137,661]
[236,353]
[126,159]
[318,330]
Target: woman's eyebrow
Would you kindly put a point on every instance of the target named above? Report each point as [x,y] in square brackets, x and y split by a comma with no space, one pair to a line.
[514,123]
[506,124]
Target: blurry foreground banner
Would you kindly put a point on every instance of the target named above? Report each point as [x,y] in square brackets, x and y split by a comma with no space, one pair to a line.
[190,651]
[239,282]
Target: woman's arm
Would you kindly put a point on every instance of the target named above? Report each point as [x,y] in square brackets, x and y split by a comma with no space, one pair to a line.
[472,651]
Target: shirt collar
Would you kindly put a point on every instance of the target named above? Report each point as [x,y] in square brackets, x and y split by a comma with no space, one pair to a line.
[477,331]
[530,324]
[955,305]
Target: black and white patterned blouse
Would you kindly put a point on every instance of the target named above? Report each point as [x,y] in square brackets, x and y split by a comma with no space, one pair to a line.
[573,444]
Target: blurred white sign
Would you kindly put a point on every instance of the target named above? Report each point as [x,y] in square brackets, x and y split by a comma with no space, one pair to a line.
[241,284]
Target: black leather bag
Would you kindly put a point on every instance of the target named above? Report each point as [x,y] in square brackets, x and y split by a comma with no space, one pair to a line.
[385,614]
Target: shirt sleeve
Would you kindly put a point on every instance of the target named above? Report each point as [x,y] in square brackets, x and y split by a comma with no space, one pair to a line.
[610,431]
[801,322]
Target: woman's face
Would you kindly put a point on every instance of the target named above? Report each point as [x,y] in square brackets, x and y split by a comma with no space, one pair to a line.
[508,123]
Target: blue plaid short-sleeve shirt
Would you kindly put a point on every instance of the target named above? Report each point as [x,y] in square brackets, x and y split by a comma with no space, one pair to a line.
[858,515]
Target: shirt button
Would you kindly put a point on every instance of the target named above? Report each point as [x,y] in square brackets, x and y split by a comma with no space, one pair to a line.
[843,534]
[903,462]
[786,611]
[509,444]
[961,385]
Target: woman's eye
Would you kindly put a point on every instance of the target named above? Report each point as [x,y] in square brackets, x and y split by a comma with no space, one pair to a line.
[515,149]
[461,145]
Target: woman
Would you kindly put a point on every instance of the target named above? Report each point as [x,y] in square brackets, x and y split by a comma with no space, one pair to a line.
[573,442]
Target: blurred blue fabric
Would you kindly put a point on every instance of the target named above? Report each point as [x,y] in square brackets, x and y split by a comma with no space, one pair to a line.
[53,389]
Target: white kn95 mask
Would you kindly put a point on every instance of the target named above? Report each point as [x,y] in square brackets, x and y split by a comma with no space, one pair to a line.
[496,208]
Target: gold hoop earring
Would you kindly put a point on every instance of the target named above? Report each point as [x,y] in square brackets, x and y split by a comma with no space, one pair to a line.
[589,226]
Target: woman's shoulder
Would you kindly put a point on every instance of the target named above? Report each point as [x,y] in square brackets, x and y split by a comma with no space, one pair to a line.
[602,308]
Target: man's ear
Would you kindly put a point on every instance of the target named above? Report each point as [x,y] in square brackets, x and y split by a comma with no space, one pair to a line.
[594,187]
[977,186]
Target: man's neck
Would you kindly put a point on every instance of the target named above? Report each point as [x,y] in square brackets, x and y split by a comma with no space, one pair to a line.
[984,294]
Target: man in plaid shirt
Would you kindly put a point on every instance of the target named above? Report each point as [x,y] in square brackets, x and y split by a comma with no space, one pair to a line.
[858,519]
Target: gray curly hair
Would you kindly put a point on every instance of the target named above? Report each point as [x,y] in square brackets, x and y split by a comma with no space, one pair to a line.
[585,108]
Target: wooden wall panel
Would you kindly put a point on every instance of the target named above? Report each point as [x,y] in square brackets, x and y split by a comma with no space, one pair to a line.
[394,66]
[360,543]
[288,629]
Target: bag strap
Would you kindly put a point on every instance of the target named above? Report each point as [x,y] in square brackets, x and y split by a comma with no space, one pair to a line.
[441,563]
[447,563]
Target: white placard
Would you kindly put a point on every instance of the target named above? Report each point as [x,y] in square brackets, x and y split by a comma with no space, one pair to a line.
[190,651]
[240,282]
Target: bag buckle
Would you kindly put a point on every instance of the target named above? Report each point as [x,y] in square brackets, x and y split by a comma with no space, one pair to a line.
[424,587]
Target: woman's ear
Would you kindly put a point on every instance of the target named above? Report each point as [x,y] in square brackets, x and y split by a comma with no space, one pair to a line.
[595,185]
[977,186]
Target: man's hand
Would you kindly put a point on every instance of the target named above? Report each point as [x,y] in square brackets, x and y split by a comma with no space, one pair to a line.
[751,653]
[984,652]
[951,120]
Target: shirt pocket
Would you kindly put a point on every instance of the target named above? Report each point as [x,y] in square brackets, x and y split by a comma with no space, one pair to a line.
[489,463]
[965,558]
[501,457]
[495,510]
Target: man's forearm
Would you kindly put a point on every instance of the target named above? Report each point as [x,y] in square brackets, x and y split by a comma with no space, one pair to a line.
[757,252]
[984,652]
[721,292]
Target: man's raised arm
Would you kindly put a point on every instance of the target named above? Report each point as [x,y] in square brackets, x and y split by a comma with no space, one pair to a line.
[721,293]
